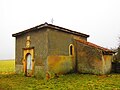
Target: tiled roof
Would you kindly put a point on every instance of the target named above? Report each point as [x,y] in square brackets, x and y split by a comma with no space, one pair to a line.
[105,50]
[53,27]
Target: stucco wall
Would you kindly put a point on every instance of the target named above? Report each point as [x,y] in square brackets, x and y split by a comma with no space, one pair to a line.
[59,61]
[89,59]
[107,63]
[59,64]
[39,41]
[58,42]
[19,69]
[40,72]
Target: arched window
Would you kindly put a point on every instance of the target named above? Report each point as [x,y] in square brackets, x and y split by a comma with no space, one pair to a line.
[29,61]
[71,49]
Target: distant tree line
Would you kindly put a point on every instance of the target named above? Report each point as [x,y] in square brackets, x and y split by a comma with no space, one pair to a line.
[117,54]
[116,60]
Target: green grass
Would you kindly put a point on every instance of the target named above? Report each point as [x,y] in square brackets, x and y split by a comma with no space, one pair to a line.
[63,82]
[7,66]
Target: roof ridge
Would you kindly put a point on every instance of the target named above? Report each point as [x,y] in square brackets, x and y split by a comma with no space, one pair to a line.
[51,26]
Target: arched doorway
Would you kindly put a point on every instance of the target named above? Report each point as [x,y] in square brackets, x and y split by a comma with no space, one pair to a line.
[28,58]
[29,61]
[29,64]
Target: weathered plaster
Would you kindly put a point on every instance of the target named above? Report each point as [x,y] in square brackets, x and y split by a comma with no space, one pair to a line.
[52,54]
[19,69]
[89,59]
[107,63]
[40,72]
[59,64]
[38,41]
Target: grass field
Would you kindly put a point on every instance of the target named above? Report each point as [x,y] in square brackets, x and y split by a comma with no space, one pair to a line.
[7,66]
[63,82]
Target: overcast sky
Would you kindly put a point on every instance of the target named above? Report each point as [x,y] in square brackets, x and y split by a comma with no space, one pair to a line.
[98,18]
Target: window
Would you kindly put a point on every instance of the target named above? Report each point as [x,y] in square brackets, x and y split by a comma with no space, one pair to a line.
[71,49]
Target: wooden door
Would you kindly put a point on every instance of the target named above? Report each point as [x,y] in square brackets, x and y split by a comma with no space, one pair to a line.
[29,64]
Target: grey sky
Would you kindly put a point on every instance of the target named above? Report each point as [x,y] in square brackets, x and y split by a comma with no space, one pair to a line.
[98,18]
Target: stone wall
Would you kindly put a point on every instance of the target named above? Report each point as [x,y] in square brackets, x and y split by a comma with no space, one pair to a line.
[59,65]
[19,69]
[59,60]
[89,59]
[52,54]
[39,41]
[107,63]
[58,42]
[40,72]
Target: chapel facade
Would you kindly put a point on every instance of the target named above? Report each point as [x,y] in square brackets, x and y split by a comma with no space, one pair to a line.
[47,50]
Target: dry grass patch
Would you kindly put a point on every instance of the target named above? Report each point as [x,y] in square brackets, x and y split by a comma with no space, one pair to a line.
[7,66]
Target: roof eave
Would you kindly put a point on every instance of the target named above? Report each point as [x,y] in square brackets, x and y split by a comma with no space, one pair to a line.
[108,52]
[28,30]
[69,31]
[51,26]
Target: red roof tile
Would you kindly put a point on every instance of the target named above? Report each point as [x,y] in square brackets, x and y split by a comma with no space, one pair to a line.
[96,46]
